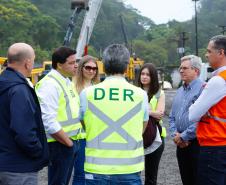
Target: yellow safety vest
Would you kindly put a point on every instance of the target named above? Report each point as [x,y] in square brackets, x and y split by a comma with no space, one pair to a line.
[114,126]
[153,105]
[68,110]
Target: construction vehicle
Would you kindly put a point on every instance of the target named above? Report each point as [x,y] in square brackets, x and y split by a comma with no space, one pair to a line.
[36,73]
[2,63]
[135,63]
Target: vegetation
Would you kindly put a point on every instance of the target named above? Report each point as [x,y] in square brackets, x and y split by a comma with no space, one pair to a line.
[43,23]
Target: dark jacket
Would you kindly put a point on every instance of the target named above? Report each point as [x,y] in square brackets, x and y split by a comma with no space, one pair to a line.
[23,143]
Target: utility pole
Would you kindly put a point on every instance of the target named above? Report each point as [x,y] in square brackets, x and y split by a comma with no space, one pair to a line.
[196,29]
[223,27]
[183,38]
[181,43]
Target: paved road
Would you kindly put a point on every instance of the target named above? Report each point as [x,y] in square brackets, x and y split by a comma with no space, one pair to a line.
[168,169]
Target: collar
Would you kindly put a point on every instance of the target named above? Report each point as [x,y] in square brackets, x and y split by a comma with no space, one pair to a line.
[115,77]
[66,79]
[191,84]
[217,71]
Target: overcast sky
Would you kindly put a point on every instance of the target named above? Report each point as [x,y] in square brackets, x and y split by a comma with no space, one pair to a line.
[161,11]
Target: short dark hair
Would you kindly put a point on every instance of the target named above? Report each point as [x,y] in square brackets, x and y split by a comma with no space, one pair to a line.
[116,58]
[60,55]
[154,83]
[219,42]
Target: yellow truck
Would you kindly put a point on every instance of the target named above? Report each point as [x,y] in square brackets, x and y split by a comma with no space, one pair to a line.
[36,73]
[2,62]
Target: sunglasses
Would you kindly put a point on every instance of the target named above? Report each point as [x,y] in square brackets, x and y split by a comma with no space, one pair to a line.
[89,68]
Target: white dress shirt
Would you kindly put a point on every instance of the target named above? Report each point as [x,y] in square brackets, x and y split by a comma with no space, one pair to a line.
[49,95]
[213,92]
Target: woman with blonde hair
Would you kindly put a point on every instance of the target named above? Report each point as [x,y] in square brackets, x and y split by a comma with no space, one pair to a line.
[87,75]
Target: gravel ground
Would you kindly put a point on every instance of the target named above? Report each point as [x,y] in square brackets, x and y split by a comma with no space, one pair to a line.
[168,169]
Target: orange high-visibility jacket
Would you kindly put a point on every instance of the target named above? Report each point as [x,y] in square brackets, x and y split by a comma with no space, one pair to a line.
[211,130]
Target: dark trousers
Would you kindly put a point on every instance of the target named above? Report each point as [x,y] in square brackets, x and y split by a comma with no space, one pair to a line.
[61,162]
[212,166]
[79,173]
[187,160]
[152,164]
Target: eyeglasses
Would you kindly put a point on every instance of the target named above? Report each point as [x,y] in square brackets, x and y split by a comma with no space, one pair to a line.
[184,68]
[89,68]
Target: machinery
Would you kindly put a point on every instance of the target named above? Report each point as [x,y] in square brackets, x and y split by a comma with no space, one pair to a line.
[87,27]
[134,63]
[2,63]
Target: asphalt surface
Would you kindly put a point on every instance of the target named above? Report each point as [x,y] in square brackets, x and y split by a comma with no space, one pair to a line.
[168,170]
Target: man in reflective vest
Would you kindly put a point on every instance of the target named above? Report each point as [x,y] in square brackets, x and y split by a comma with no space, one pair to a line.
[60,113]
[210,111]
[115,113]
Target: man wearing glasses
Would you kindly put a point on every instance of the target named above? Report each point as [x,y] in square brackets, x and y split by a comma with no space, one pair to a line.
[181,129]
[210,111]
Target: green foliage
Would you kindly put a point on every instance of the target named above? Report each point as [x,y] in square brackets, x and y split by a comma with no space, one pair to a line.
[21,21]
[43,24]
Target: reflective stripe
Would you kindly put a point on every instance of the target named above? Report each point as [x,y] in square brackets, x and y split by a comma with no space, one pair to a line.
[217,118]
[69,122]
[68,109]
[114,126]
[114,161]
[69,134]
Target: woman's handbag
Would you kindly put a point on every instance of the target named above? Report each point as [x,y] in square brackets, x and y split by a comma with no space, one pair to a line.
[149,134]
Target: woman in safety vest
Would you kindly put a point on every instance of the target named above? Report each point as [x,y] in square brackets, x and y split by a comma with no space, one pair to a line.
[87,75]
[148,80]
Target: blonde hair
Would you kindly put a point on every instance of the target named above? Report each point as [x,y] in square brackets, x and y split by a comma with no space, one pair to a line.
[79,78]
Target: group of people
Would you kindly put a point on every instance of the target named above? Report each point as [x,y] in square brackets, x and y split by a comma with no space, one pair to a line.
[198,121]
[70,121]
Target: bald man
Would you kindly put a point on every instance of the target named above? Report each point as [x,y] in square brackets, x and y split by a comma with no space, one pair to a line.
[23,144]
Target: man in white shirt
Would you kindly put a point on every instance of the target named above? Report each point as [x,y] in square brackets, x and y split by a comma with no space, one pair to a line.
[60,113]
[209,111]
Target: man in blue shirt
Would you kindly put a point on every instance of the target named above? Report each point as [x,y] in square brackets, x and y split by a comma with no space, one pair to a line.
[181,129]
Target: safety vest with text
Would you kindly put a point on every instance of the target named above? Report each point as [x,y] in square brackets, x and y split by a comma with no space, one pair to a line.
[68,110]
[114,126]
[211,130]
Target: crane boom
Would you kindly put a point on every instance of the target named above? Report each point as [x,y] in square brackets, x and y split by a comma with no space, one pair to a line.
[87,26]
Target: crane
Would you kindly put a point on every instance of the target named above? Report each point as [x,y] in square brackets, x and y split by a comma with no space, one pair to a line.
[87,27]
[77,6]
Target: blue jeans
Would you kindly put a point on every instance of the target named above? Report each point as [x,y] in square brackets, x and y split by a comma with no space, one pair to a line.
[212,166]
[123,179]
[61,162]
[79,174]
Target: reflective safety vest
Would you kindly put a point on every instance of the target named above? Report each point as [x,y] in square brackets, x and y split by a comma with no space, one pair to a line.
[211,130]
[68,110]
[114,126]
[153,104]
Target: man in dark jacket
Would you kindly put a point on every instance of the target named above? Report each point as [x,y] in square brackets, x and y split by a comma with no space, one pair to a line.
[23,144]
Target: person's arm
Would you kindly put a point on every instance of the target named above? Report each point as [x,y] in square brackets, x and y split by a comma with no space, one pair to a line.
[213,92]
[83,104]
[63,138]
[190,132]
[172,119]
[160,109]
[48,95]
[146,108]
[22,121]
